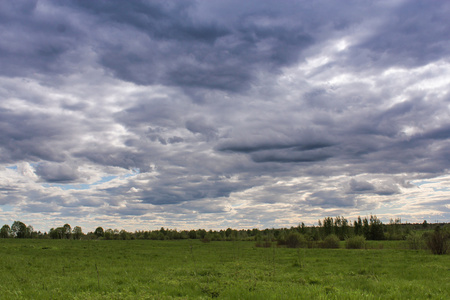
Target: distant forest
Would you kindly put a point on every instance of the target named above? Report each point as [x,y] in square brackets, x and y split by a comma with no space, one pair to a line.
[339,228]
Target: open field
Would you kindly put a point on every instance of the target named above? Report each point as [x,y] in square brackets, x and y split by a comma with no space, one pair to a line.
[190,269]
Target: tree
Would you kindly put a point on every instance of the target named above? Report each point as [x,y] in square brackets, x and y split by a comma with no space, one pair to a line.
[201,233]
[57,233]
[376,229]
[19,229]
[394,229]
[99,232]
[52,233]
[366,229]
[67,231]
[345,229]
[77,233]
[302,228]
[29,231]
[5,232]
[337,226]
[228,232]
[163,231]
[109,234]
[192,234]
[341,227]
[314,233]
[358,226]
[124,235]
[328,227]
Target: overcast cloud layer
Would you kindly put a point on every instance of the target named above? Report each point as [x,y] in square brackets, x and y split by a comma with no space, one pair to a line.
[216,114]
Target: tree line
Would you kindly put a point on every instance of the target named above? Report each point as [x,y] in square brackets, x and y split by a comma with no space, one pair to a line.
[371,228]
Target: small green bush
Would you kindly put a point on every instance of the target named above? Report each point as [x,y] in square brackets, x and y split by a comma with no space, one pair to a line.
[267,244]
[438,242]
[206,238]
[296,240]
[331,241]
[312,244]
[263,244]
[415,241]
[356,242]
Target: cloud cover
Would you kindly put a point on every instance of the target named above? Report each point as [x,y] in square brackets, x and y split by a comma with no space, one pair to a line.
[213,114]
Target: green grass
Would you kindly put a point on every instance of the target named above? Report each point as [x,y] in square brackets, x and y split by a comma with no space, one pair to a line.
[189,269]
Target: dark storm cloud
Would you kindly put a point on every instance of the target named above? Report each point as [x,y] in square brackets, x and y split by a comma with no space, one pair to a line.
[34,40]
[327,199]
[126,211]
[442,133]
[361,186]
[53,172]
[75,107]
[27,136]
[178,48]
[254,146]
[175,139]
[414,34]
[150,42]
[201,127]
[97,153]
[286,156]
[302,146]
[173,191]
[154,111]
[385,188]
[191,43]
[366,137]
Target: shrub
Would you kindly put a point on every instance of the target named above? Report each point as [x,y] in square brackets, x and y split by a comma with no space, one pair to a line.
[295,240]
[206,238]
[415,241]
[356,242]
[312,244]
[267,244]
[331,241]
[438,241]
[264,244]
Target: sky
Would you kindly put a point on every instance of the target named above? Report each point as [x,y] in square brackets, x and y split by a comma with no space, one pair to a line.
[213,114]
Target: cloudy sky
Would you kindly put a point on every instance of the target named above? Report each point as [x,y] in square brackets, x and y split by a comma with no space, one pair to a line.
[214,114]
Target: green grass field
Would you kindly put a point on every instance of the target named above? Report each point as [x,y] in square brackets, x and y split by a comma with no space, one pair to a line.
[190,269]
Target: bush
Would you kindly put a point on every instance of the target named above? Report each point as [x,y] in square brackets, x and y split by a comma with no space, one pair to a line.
[312,244]
[331,241]
[356,242]
[295,240]
[438,241]
[206,238]
[415,241]
[263,243]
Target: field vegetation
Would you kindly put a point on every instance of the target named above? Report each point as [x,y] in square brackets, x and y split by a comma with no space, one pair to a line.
[335,260]
[191,269]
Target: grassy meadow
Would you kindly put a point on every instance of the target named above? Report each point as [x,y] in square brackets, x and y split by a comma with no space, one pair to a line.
[190,269]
